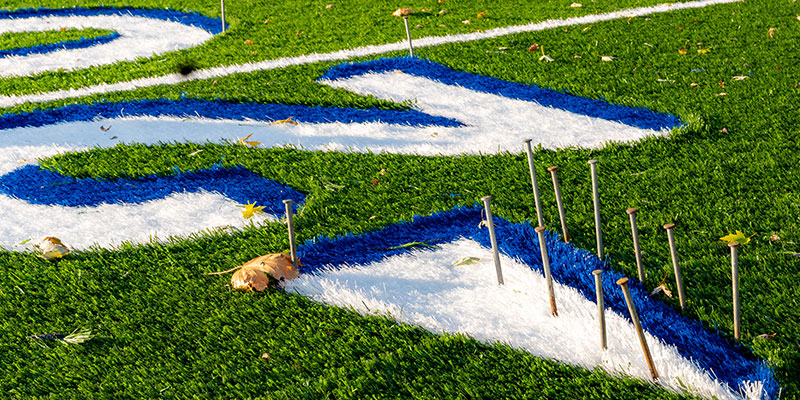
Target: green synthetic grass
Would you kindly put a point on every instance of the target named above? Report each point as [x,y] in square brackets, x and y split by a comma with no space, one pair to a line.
[9,41]
[167,330]
[298,28]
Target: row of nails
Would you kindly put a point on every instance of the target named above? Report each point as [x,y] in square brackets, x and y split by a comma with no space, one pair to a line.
[623,283]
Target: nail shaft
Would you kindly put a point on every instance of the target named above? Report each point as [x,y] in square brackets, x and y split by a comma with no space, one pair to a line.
[495,252]
[675,266]
[408,35]
[553,174]
[222,7]
[290,226]
[596,200]
[635,232]
[534,183]
[547,276]
[735,281]
[601,311]
[623,283]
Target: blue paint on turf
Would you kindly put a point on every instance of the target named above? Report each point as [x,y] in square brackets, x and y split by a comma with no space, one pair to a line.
[194,19]
[570,266]
[65,45]
[44,187]
[638,117]
[221,109]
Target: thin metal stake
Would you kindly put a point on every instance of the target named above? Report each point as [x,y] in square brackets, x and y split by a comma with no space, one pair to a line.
[408,35]
[222,7]
[601,311]
[492,236]
[675,266]
[289,223]
[553,174]
[735,279]
[596,198]
[547,276]
[638,325]
[534,183]
[636,248]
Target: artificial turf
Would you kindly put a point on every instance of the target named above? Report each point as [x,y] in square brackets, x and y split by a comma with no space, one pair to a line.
[11,41]
[167,330]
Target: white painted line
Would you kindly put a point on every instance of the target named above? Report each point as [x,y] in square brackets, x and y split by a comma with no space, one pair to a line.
[7,101]
[139,37]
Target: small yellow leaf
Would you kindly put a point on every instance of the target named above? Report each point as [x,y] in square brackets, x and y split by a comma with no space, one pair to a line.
[482,13]
[738,237]
[251,209]
[662,288]
[245,142]
[289,120]
[703,51]
[681,51]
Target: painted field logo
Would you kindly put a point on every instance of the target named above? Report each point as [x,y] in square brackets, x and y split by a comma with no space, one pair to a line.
[453,288]
[136,33]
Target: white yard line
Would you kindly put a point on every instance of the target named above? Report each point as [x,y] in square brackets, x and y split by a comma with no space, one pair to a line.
[7,101]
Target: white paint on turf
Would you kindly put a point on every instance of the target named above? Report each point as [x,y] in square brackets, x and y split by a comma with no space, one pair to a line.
[424,288]
[140,37]
[494,123]
[7,101]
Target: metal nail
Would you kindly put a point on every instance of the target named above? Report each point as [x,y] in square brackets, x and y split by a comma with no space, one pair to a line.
[495,252]
[675,266]
[547,276]
[623,283]
[635,232]
[735,282]
[601,311]
[222,8]
[553,174]
[596,200]
[408,35]
[290,225]
[534,183]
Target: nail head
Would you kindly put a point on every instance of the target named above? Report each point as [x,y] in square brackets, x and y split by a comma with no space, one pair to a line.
[539,229]
[287,201]
[526,141]
[622,281]
[669,226]
[486,198]
[553,168]
[597,272]
[631,210]
[733,244]
[593,161]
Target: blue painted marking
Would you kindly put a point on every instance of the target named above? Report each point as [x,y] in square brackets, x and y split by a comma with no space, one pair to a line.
[569,265]
[194,19]
[221,109]
[65,45]
[638,117]
[39,186]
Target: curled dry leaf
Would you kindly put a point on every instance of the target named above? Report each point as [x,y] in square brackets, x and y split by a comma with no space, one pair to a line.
[681,51]
[606,58]
[51,248]
[766,336]
[443,12]
[694,84]
[662,288]
[576,5]
[403,12]
[254,274]
[771,33]
[482,13]
[534,47]
[740,77]
[248,41]
[466,22]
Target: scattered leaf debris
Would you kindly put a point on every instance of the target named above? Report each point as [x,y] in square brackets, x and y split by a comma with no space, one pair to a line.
[51,248]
